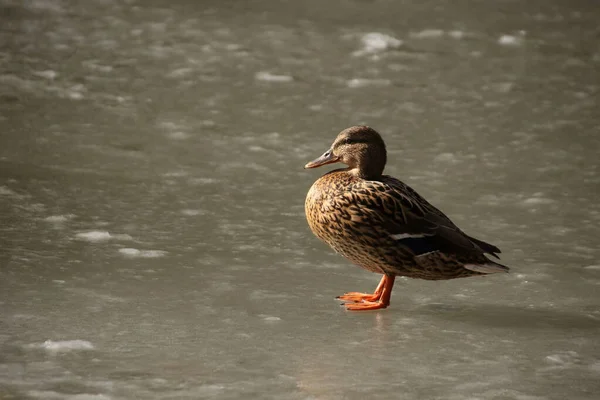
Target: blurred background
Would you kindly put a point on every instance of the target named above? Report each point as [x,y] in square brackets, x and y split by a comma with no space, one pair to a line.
[153,243]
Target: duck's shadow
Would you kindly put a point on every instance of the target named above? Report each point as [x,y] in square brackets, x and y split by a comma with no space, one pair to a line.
[518,317]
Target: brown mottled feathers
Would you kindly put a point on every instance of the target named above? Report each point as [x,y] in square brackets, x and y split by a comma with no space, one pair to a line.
[383,225]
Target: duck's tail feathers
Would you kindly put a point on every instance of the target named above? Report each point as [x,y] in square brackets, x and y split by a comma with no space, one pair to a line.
[486,247]
[489,267]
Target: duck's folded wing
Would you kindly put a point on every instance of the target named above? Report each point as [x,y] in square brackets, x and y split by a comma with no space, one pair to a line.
[416,224]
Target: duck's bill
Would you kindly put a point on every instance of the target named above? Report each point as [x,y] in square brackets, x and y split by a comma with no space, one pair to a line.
[327,158]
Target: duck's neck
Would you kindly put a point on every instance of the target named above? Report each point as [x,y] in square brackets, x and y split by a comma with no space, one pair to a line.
[370,166]
[369,174]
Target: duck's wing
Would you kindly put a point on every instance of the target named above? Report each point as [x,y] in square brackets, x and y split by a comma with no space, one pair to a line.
[413,222]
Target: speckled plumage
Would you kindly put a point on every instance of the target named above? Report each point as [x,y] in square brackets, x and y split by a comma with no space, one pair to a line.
[383,225]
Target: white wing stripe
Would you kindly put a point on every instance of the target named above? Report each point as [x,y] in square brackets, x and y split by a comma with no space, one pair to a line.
[400,236]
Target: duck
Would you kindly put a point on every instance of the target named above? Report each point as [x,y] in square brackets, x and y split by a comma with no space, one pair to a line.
[384,226]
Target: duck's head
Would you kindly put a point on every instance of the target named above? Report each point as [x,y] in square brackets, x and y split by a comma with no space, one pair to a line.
[359,147]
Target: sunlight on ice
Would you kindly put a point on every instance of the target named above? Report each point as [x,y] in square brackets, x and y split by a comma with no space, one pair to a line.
[67,345]
[46,74]
[427,33]
[270,318]
[511,40]
[93,236]
[51,395]
[362,82]
[269,77]
[537,201]
[4,191]
[192,212]
[178,135]
[446,158]
[375,42]
[136,253]
[59,218]
[101,236]
[437,33]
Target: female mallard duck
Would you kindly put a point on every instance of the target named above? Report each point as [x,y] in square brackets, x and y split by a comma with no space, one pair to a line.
[383,225]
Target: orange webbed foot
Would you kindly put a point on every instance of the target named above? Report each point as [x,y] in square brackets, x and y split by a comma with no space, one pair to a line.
[365,301]
[366,305]
[358,296]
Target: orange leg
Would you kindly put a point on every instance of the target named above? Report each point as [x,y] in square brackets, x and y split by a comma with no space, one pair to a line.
[364,301]
[358,296]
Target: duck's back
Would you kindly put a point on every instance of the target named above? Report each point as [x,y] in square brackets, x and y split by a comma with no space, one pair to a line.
[386,227]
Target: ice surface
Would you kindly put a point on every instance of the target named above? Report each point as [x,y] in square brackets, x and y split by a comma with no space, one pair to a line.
[147,119]
[457,34]
[67,345]
[47,74]
[376,42]
[510,40]
[427,33]
[537,201]
[362,82]
[449,158]
[270,77]
[5,191]
[59,218]
[136,253]
[192,212]
[94,236]
[51,395]
[178,135]
[101,236]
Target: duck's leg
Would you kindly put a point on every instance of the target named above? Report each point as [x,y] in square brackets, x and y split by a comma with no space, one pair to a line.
[358,296]
[381,302]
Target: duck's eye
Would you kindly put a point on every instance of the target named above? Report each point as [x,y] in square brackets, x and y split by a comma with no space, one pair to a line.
[347,141]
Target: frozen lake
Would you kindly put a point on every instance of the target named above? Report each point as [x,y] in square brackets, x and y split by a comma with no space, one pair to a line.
[153,243]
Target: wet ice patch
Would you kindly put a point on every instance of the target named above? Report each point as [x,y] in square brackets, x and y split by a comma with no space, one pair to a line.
[178,135]
[270,318]
[269,77]
[208,391]
[192,212]
[136,253]
[202,181]
[95,66]
[73,92]
[437,33]
[256,149]
[46,74]
[101,236]
[93,236]
[427,33]
[536,200]
[66,345]
[43,5]
[511,40]
[51,395]
[175,174]
[362,82]
[57,219]
[4,191]
[457,34]
[565,358]
[375,42]
[448,158]
[97,296]
[180,72]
